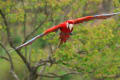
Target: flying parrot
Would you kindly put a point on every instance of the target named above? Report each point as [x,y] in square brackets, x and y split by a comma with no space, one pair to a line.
[66,28]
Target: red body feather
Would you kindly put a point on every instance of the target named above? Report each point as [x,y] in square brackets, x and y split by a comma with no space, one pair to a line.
[65,31]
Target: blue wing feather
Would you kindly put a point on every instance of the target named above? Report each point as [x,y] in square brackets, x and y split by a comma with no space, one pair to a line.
[30,41]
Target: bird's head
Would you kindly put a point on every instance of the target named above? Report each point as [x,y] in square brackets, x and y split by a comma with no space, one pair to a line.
[70,26]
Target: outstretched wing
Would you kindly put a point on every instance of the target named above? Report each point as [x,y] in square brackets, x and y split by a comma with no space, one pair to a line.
[107,15]
[83,19]
[52,29]
[87,18]
[30,41]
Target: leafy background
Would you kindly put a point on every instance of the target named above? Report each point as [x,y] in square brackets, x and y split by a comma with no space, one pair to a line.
[93,50]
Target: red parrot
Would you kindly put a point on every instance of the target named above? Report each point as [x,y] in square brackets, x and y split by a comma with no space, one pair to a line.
[66,28]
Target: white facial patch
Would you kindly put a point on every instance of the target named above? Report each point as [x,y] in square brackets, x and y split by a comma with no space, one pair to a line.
[70,26]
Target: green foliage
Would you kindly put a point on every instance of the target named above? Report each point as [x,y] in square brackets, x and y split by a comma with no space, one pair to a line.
[97,50]
[92,50]
[16,39]
[40,17]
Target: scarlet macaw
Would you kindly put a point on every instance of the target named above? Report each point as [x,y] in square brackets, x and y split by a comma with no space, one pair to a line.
[66,28]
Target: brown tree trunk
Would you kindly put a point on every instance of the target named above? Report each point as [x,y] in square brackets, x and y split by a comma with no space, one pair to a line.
[107,5]
[33,76]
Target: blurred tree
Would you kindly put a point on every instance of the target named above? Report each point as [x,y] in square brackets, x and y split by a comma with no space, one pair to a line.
[91,54]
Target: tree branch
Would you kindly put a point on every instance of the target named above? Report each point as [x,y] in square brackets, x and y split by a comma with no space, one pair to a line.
[11,43]
[40,63]
[24,25]
[5,58]
[10,60]
[29,35]
[53,75]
